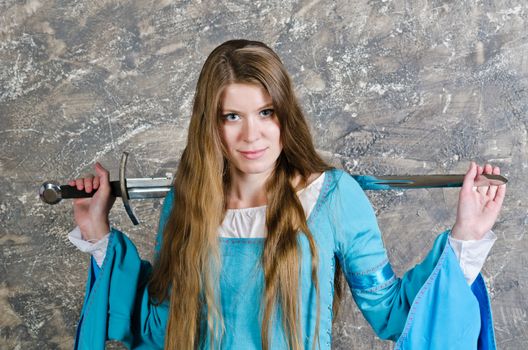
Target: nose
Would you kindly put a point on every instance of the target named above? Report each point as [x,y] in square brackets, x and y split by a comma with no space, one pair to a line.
[251,130]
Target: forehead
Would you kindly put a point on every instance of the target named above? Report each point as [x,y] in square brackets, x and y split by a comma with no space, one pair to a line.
[244,97]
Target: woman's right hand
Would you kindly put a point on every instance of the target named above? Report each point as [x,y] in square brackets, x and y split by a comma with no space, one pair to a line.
[91,214]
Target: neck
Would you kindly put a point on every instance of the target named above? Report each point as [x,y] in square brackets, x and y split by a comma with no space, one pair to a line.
[247,190]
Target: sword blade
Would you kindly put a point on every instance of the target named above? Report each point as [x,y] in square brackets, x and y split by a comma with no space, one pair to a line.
[391,182]
[144,188]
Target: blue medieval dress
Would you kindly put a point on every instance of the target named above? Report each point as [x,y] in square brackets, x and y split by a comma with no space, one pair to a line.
[430,307]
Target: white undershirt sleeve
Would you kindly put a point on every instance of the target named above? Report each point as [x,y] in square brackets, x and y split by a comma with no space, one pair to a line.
[472,254]
[96,248]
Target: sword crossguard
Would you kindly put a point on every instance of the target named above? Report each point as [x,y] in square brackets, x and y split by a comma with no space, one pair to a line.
[124,192]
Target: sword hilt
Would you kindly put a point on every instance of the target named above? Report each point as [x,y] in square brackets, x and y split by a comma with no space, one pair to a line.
[53,193]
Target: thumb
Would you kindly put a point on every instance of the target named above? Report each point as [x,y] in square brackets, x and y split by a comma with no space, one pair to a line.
[104,175]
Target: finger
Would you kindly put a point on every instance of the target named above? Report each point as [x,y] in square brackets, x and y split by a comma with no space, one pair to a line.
[493,189]
[501,193]
[80,184]
[71,183]
[96,182]
[88,183]
[481,189]
[469,178]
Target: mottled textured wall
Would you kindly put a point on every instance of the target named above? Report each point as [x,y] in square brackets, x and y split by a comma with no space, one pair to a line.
[389,87]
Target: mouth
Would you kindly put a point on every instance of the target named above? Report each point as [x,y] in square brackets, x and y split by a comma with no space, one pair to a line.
[254,154]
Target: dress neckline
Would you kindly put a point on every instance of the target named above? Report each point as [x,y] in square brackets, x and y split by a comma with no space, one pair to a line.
[263,207]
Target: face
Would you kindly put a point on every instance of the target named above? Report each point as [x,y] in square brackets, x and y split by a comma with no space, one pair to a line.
[250,129]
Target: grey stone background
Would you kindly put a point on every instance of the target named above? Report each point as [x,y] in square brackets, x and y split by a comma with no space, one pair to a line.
[389,87]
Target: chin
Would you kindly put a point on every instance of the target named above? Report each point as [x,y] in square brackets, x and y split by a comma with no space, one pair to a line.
[255,168]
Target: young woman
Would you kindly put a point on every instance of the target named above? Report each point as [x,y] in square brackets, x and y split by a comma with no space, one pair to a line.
[257,229]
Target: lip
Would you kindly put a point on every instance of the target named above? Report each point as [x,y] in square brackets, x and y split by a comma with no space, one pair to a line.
[253,154]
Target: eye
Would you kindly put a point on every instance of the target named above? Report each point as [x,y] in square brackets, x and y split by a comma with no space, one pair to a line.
[231,117]
[267,112]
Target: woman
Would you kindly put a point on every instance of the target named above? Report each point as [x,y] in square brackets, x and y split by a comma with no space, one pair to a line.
[256,230]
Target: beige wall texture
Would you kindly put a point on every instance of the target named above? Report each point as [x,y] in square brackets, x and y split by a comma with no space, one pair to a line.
[388,86]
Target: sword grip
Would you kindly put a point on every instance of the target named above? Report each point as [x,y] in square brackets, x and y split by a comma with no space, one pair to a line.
[53,193]
[68,191]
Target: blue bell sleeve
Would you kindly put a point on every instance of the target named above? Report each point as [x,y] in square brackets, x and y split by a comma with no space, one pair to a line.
[117,304]
[430,306]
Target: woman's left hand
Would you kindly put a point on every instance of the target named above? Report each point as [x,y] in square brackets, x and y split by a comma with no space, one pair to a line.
[478,207]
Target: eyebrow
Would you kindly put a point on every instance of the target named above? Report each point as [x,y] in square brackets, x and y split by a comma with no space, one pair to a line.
[224,110]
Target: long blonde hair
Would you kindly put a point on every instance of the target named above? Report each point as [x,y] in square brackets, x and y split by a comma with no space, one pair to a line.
[188,265]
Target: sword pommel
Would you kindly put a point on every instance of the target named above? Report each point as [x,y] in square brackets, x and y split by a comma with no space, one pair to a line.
[50,193]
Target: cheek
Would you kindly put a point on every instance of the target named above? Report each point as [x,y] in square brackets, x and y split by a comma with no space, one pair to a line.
[227,137]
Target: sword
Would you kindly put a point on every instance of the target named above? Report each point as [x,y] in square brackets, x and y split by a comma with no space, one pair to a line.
[157,187]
